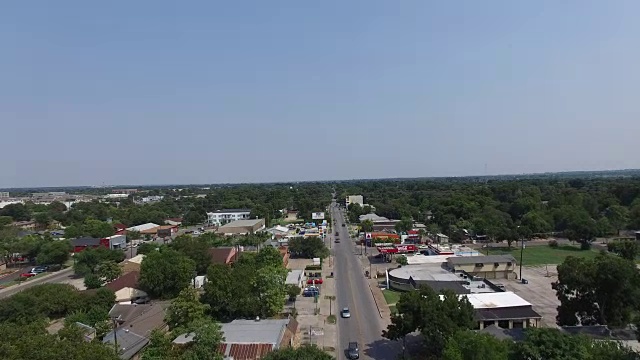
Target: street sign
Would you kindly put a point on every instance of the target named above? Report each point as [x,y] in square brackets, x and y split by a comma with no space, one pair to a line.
[317,216]
[367,236]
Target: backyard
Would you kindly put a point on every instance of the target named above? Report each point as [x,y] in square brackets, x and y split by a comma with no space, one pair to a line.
[540,255]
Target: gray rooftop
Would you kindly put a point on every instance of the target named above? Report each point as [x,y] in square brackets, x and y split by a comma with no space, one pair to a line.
[466,260]
[268,331]
[238,223]
[431,272]
[129,343]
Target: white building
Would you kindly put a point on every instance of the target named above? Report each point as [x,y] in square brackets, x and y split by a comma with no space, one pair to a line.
[224,216]
[354,199]
[4,194]
[143,227]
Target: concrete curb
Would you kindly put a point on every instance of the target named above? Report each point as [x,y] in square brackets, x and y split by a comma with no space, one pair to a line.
[374,300]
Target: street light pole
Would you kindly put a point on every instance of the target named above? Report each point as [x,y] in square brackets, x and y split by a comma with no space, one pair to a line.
[521,252]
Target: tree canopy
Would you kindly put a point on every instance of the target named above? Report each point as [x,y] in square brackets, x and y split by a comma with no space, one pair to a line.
[311,247]
[165,273]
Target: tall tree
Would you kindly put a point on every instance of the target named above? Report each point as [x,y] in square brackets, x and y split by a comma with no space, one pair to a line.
[436,318]
[165,273]
[618,217]
[366,226]
[305,352]
[627,249]
[470,345]
[185,309]
[55,252]
[603,290]
[194,248]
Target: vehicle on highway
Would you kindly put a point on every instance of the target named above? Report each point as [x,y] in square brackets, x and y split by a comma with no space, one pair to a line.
[336,233]
[342,225]
[337,240]
[345,313]
[28,275]
[353,352]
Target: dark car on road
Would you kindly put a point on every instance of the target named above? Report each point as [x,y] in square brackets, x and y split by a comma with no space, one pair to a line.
[353,352]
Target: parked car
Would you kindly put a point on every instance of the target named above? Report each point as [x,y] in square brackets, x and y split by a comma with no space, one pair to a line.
[39,269]
[314,281]
[345,313]
[342,225]
[336,233]
[311,291]
[28,275]
[353,352]
[140,300]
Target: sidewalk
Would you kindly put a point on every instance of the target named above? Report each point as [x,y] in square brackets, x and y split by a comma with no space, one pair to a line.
[374,285]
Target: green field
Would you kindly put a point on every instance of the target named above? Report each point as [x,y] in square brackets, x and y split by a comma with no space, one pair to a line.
[542,254]
[391,296]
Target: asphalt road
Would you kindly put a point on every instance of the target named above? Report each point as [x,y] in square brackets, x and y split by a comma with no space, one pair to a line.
[352,289]
[61,275]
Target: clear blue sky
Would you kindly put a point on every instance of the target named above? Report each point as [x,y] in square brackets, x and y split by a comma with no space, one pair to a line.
[153,92]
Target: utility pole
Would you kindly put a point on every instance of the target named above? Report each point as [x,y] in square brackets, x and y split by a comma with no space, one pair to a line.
[115,335]
[521,252]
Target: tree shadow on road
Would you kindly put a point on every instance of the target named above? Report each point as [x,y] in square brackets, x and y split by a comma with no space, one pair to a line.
[385,349]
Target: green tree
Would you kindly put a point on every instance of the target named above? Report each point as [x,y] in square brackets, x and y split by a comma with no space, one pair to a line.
[92,281]
[366,226]
[146,248]
[470,345]
[108,271]
[618,217]
[165,273]
[437,319]
[208,336]
[42,220]
[194,248]
[603,290]
[304,352]
[269,256]
[627,249]
[547,343]
[312,247]
[292,290]
[219,294]
[55,252]
[270,290]
[185,309]
[5,220]
[404,225]
[88,260]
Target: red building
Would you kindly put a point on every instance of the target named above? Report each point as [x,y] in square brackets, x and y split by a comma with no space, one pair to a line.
[80,244]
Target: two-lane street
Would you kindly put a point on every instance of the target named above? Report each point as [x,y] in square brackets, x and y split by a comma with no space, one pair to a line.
[365,325]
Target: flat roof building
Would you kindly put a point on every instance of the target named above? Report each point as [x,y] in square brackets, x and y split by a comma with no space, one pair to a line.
[241,227]
[504,309]
[221,217]
[488,267]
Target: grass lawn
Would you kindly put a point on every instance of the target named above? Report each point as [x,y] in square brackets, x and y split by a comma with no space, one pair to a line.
[391,296]
[542,254]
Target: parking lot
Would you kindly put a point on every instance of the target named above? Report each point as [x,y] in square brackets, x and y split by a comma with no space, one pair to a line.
[538,291]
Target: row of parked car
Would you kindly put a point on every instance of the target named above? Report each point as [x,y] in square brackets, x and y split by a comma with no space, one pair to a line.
[35,271]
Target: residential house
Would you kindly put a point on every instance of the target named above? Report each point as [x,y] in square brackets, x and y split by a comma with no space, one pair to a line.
[120,229]
[126,287]
[223,255]
[135,324]
[251,339]
[132,264]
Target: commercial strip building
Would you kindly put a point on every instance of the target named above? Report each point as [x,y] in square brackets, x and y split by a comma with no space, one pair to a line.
[488,267]
[220,217]
[111,242]
[242,227]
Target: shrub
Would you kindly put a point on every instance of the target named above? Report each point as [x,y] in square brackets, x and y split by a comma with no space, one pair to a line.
[553,244]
